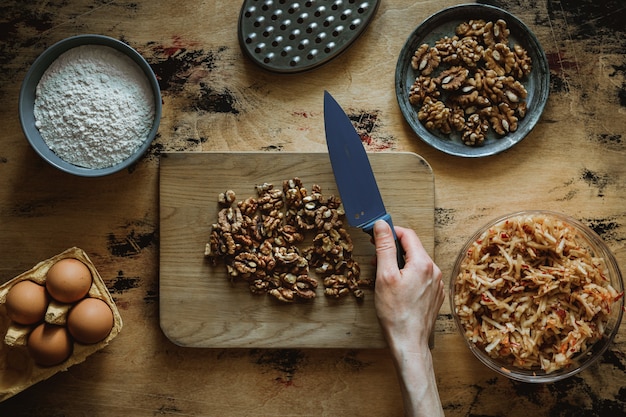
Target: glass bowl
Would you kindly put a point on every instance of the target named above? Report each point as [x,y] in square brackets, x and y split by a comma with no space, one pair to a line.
[28,93]
[537,296]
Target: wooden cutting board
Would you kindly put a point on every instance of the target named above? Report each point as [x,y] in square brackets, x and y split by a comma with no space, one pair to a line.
[200,307]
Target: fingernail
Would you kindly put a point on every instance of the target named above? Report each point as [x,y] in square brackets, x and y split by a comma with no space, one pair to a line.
[379,227]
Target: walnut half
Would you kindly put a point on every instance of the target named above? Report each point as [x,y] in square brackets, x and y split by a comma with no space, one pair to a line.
[425,59]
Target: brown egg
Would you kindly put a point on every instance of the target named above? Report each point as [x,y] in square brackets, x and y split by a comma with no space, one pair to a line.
[26,302]
[90,320]
[49,344]
[68,280]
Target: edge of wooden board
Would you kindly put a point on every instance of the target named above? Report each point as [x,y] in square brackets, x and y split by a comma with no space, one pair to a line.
[199,307]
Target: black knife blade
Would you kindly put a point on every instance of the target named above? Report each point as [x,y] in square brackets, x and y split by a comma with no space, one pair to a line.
[355,179]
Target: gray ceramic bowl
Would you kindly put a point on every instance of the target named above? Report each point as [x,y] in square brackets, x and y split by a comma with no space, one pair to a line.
[27,103]
[443,23]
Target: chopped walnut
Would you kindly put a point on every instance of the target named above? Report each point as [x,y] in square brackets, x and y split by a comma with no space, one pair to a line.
[246,264]
[257,239]
[248,206]
[271,223]
[221,245]
[294,192]
[227,198]
[425,59]
[305,287]
[269,198]
[228,237]
[285,295]
[230,219]
[291,234]
[305,218]
[331,256]
[253,229]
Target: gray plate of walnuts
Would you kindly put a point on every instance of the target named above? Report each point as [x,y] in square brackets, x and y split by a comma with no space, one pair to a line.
[472,80]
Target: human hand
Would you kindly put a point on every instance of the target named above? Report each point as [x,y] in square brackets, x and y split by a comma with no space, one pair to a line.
[407,300]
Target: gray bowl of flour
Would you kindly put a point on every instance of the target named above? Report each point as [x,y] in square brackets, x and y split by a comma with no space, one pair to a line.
[90,105]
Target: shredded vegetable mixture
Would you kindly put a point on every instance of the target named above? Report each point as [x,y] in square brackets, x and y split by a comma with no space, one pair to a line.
[531,292]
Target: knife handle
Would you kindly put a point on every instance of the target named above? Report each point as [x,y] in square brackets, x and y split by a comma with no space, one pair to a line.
[399,250]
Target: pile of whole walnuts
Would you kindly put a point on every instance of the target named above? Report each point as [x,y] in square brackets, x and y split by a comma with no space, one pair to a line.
[471,82]
[258,240]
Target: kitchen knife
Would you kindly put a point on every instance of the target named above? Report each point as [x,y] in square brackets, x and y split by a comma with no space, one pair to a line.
[354,177]
[353,173]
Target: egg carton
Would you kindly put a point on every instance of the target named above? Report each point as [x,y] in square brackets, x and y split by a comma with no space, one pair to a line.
[18,370]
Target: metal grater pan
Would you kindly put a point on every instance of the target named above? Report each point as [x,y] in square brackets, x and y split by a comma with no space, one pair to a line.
[293,36]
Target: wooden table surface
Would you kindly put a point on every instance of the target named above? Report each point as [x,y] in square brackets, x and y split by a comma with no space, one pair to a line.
[215,99]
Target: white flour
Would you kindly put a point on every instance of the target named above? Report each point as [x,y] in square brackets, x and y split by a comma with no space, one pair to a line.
[94,106]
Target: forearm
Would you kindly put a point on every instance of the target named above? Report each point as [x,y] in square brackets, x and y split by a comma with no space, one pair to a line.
[417,382]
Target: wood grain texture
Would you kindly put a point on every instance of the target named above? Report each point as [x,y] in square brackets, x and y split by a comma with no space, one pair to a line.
[200,307]
[216,100]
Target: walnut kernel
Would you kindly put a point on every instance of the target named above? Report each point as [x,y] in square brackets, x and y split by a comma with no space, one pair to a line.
[471,82]
[257,238]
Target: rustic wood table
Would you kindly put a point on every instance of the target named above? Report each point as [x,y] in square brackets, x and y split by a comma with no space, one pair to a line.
[215,99]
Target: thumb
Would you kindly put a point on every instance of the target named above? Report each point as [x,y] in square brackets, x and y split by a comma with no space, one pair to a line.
[385,245]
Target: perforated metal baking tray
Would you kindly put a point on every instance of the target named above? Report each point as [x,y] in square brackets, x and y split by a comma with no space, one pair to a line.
[293,36]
